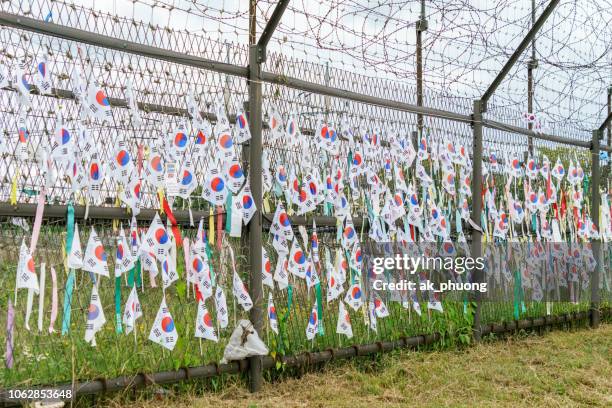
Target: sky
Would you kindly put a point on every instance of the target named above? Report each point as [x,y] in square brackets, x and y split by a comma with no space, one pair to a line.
[465,46]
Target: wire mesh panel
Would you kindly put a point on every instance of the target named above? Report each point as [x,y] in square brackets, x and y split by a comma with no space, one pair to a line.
[347,172]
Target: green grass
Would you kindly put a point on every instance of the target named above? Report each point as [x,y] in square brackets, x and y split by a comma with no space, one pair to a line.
[41,358]
[558,369]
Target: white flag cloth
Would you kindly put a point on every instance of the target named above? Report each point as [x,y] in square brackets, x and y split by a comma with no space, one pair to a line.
[354,297]
[132,311]
[241,293]
[214,189]
[313,322]
[124,261]
[75,258]
[272,317]
[204,324]
[297,260]
[95,256]
[163,331]
[187,180]
[233,175]
[281,274]
[344,321]
[242,133]
[221,306]
[95,317]
[281,224]
[121,164]
[434,303]
[26,270]
[156,240]
[99,105]
[266,269]
[246,204]
[380,308]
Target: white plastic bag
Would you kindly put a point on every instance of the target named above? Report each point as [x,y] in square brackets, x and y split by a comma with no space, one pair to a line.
[243,343]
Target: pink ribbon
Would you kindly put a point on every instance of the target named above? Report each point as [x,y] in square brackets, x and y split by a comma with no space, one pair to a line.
[40,208]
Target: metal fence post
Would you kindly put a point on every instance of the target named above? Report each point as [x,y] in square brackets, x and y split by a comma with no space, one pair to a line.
[477,275]
[255,226]
[596,244]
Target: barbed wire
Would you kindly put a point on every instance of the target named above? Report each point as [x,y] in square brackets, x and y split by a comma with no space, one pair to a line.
[464,47]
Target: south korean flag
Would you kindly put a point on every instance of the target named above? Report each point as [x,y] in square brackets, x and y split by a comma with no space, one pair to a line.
[193,110]
[204,328]
[132,105]
[154,168]
[202,136]
[242,133]
[245,204]
[241,293]
[169,273]
[22,83]
[99,104]
[187,181]
[273,318]
[124,261]
[327,138]
[344,321]
[42,79]
[156,240]
[275,123]
[163,331]
[121,164]
[75,258]
[179,139]
[23,137]
[281,273]
[95,317]
[313,322]
[297,260]
[132,311]
[130,195]
[266,269]
[214,189]
[221,306]
[95,256]
[26,270]
[281,225]
[234,175]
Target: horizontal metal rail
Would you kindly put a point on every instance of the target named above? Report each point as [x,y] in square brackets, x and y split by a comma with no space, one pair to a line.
[536,135]
[308,358]
[182,216]
[96,39]
[357,97]
[74,34]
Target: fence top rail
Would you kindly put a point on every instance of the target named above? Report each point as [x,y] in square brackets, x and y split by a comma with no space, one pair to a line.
[95,39]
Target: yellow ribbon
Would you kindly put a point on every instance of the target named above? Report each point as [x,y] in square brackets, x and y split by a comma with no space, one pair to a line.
[160,196]
[14,189]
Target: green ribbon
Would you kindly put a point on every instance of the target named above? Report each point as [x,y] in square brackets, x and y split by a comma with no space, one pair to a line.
[30,192]
[319,309]
[135,274]
[71,273]
[228,213]
[118,327]
[518,294]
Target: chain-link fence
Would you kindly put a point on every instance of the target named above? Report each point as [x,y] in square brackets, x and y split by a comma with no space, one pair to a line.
[374,117]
